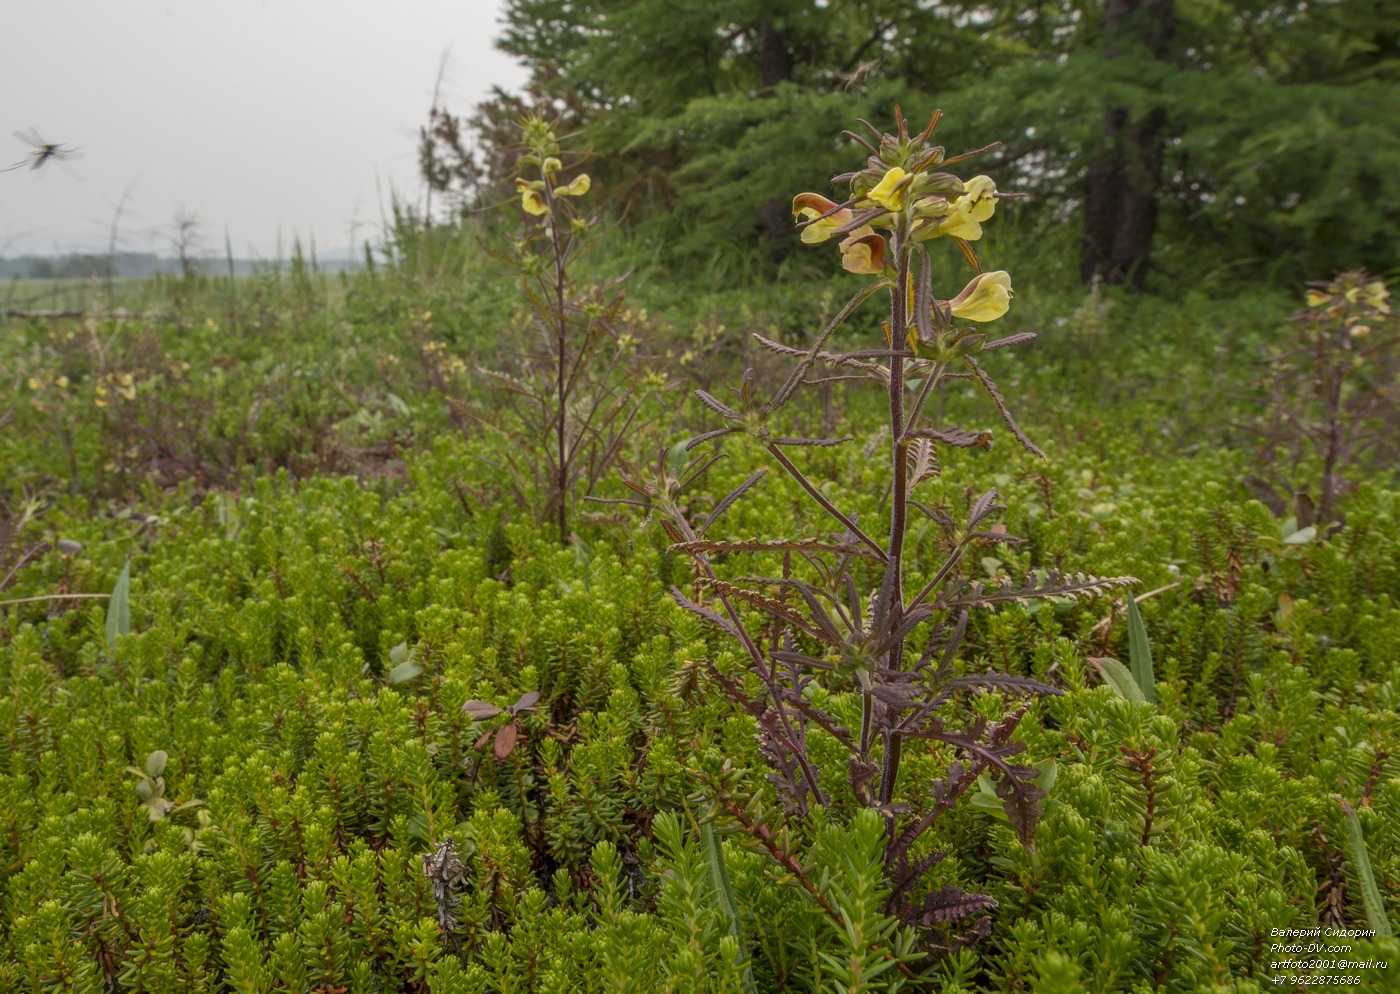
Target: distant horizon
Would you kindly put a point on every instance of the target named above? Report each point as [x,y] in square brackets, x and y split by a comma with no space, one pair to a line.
[262,121]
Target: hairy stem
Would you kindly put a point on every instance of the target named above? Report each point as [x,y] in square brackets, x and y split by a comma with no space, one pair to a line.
[891,605]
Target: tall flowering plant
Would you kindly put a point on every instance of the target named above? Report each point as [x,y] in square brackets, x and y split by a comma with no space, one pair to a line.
[576,388]
[895,647]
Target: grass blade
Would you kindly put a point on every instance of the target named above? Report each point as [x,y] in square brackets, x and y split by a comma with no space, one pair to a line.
[724,896]
[1371,901]
[1140,653]
[1117,676]
[119,609]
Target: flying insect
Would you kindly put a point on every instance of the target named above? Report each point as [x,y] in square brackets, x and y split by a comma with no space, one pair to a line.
[43,152]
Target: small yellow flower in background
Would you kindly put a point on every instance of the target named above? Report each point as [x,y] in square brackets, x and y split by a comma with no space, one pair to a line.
[986,298]
[1316,298]
[887,192]
[863,252]
[35,383]
[811,207]
[531,199]
[577,188]
[62,382]
[1376,294]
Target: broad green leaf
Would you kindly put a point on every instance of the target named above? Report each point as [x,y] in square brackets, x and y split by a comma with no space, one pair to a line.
[405,671]
[155,763]
[1140,653]
[1117,676]
[1301,537]
[119,609]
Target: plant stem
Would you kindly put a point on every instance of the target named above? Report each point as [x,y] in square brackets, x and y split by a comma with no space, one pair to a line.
[561,349]
[891,605]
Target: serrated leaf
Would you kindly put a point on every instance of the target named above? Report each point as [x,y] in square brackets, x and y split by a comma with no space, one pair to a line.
[1140,653]
[155,763]
[119,609]
[1118,676]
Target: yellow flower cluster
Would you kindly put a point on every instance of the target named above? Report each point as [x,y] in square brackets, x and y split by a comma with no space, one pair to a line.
[436,356]
[1373,294]
[532,192]
[927,215]
[900,194]
[112,386]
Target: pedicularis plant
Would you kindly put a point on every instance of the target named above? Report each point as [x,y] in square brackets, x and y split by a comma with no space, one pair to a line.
[578,392]
[1330,397]
[825,631]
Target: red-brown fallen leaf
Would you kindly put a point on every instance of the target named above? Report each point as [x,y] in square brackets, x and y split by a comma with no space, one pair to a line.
[505,741]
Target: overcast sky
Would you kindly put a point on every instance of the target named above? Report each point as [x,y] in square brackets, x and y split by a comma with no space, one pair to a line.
[261,116]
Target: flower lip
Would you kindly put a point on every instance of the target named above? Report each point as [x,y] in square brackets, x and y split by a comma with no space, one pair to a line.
[822,218]
[892,190]
[985,298]
[863,252]
[531,197]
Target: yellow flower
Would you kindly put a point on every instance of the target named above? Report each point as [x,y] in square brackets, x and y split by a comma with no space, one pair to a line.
[551,165]
[811,207]
[1375,294]
[863,252]
[577,188]
[967,212]
[1316,298]
[986,298]
[887,192]
[531,199]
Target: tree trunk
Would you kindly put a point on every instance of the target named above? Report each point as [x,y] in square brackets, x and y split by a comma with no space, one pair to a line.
[1120,204]
[775,65]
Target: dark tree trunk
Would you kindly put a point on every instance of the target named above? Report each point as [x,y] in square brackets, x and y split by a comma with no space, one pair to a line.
[1120,203]
[774,57]
[775,65]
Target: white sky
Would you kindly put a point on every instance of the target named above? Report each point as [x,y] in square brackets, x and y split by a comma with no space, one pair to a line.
[261,116]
